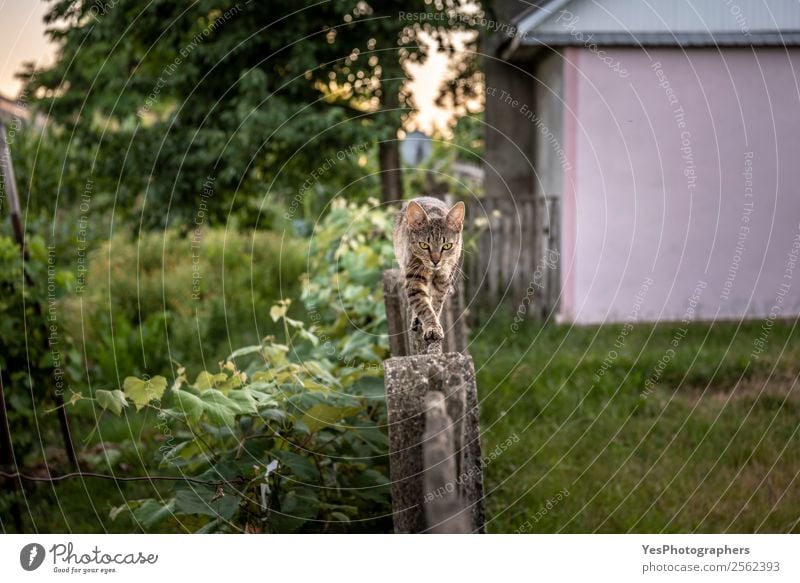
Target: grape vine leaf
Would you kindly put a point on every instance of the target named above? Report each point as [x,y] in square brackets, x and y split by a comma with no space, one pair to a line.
[113,401]
[322,415]
[141,392]
[191,405]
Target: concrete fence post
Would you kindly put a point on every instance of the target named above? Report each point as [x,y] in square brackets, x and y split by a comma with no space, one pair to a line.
[434,441]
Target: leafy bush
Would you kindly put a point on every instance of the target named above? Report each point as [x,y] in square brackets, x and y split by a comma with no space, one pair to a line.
[286,439]
[284,436]
[32,361]
[170,297]
[343,291]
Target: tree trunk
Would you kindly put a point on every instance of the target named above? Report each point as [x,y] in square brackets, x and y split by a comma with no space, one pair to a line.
[389,146]
[391,172]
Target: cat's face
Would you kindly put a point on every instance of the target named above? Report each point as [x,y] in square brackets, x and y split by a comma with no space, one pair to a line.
[435,241]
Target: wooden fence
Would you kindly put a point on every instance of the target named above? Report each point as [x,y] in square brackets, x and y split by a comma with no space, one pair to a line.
[516,254]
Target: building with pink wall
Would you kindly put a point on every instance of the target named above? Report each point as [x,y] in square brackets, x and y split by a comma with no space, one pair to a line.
[671,141]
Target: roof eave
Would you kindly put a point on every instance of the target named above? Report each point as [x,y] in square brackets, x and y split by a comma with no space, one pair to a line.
[726,39]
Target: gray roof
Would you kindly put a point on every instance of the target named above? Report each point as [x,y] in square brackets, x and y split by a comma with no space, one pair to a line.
[653,23]
[665,39]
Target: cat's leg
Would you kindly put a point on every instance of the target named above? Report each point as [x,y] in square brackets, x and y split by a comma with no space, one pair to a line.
[441,288]
[417,288]
[416,324]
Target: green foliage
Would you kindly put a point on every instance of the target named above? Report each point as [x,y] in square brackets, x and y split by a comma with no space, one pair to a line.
[468,138]
[343,293]
[66,187]
[294,443]
[226,90]
[114,401]
[291,430]
[168,297]
[32,358]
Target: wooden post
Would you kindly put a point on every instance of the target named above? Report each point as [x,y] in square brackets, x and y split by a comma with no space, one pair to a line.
[434,441]
[396,317]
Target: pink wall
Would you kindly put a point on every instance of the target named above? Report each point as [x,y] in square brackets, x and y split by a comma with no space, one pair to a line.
[658,207]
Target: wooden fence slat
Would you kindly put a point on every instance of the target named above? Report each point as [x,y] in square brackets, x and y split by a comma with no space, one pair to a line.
[512,249]
[396,319]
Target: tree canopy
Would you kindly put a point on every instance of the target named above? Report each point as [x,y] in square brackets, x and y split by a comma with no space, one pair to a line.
[243,101]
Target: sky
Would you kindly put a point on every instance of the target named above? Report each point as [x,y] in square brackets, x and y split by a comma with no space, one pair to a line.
[22,39]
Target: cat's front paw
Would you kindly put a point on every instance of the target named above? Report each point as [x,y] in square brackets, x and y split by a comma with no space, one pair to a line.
[433,333]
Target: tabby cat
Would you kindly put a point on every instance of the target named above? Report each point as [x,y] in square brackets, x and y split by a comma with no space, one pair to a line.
[427,244]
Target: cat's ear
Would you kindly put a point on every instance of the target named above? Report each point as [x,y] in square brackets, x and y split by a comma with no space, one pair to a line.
[455,216]
[415,214]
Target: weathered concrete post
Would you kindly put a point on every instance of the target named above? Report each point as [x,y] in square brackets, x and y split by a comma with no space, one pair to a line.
[443,506]
[434,441]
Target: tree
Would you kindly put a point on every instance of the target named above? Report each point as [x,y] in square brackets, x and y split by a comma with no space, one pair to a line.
[242,101]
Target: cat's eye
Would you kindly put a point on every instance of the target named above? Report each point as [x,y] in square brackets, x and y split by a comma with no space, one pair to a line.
[424,245]
[447,246]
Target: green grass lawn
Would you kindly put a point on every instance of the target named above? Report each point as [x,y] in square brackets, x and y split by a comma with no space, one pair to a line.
[711,447]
